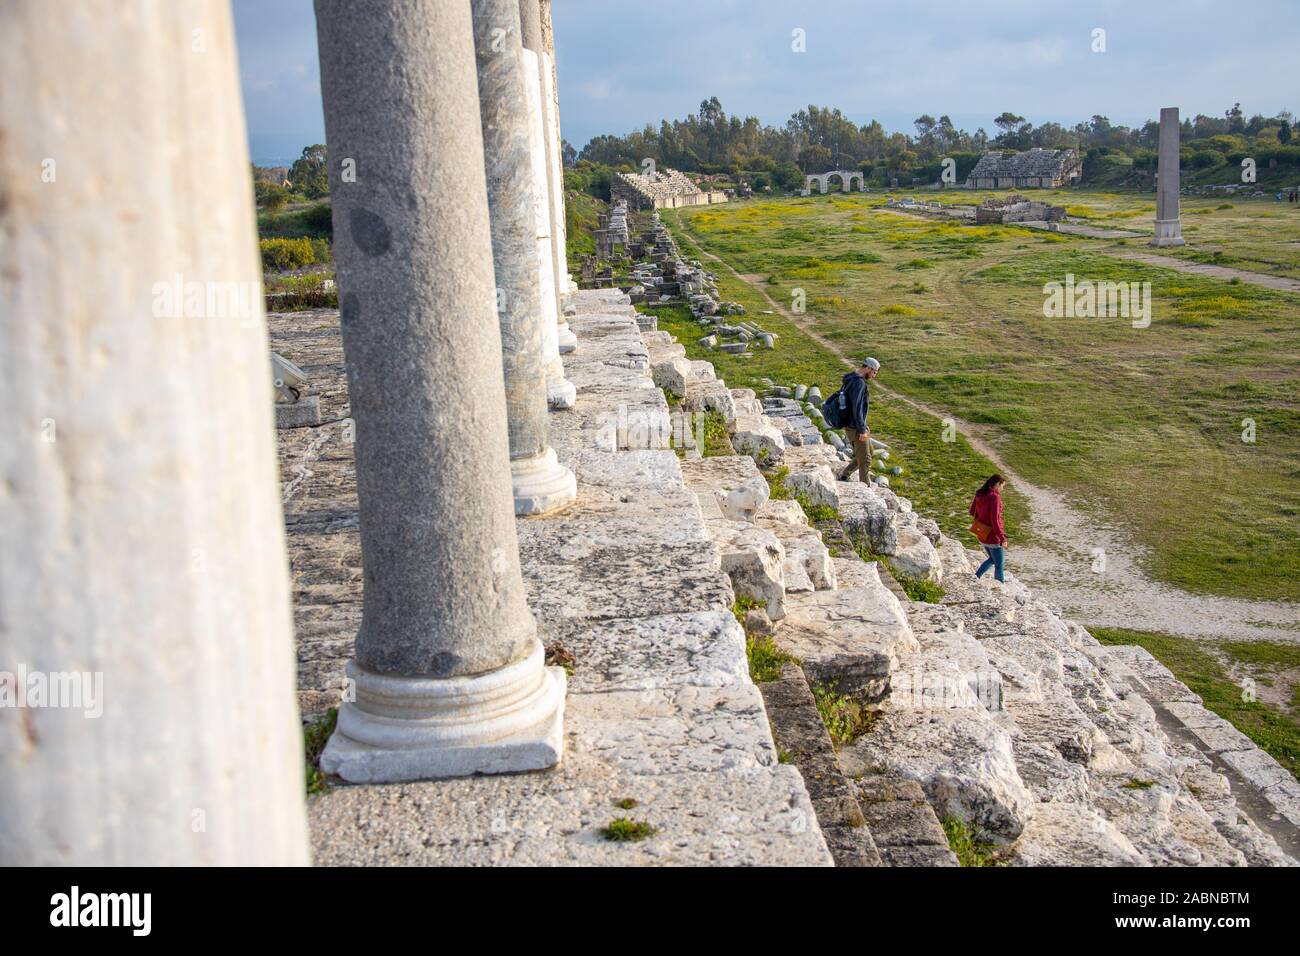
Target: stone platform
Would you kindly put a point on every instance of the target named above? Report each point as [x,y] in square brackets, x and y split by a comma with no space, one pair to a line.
[988,708]
[663,724]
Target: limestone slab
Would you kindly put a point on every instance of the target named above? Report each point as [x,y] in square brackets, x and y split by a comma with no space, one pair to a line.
[849,637]
[703,648]
[756,817]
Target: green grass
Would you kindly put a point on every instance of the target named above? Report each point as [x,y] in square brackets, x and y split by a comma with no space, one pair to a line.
[918,589]
[623,830]
[315,736]
[940,477]
[1267,656]
[581,214]
[306,220]
[845,718]
[764,657]
[1135,423]
[743,604]
[717,442]
[1274,731]
[780,491]
[970,851]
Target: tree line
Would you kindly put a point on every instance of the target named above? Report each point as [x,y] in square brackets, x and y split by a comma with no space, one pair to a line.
[818,139]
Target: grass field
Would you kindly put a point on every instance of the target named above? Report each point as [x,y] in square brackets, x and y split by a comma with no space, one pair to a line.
[1144,424]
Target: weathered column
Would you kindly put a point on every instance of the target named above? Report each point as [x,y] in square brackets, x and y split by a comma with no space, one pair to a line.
[531,24]
[567,285]
[449,676]
[1169,228]
[560,392]
[146,646]
[539,481]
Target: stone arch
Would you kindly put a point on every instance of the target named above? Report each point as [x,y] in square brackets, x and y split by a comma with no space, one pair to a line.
[823,181]
[846,179]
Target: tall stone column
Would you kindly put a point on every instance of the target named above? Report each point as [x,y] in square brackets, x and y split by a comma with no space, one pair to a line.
[1169,229]
[531,24]
[560,392]
[567,285]
[539,481]
[448,676]
[146,641]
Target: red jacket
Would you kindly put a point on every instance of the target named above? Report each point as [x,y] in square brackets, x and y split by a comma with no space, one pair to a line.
[988,508]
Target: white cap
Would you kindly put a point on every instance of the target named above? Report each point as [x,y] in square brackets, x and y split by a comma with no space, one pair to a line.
[871,364]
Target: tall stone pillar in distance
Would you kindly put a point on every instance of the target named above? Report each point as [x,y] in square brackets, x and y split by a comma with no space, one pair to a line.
[146,642]
[539,481]
[449,677]
[1169,228]
[531,25]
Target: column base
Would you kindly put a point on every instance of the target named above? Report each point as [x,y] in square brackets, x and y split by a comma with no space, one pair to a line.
[1169,232]
[541,484]
[560,392]
[568,341]
[426,728]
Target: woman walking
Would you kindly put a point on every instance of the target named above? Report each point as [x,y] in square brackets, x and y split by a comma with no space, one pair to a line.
[986,509]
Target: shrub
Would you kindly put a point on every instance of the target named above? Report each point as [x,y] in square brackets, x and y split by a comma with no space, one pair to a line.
[319,218]
[320,250]
[285,254]
[270,196]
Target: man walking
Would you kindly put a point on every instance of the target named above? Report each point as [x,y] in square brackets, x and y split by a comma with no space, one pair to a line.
[855,399]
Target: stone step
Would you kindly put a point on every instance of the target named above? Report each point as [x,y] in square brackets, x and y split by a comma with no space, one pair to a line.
[807,557]
[802,740]
[848,638]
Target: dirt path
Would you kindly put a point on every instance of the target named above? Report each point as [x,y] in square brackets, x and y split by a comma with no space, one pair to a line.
[1202,269]
[1058,564]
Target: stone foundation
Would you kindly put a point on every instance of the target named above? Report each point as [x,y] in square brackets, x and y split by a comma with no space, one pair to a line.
[988,708]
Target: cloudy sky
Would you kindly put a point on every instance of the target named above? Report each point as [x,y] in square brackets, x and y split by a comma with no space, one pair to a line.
[623,63]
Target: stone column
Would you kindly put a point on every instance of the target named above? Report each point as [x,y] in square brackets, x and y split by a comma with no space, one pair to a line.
[1169,229]
[145,625]
[531,23]
[567,285]
[449,676]
[539,481]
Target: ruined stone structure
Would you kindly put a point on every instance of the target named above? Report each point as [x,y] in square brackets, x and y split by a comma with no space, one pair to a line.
[1169,227]
[584,662]
[1034,168]
[1017,209]
[823,180]
[668,189]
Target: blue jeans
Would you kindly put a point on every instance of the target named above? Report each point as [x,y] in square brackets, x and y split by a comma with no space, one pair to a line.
[994,561]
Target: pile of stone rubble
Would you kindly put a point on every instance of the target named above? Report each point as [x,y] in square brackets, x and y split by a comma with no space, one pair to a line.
[667,277]
[1017,209]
